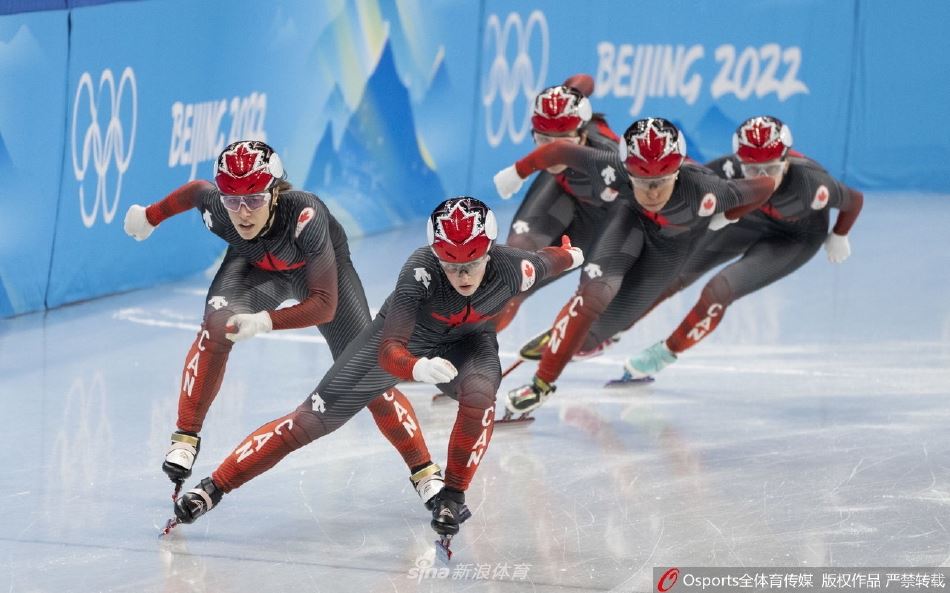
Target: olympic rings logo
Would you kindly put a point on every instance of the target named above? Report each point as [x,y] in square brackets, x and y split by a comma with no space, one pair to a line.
[515,82]
[103,108]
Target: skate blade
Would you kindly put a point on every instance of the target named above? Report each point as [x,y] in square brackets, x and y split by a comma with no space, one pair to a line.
[509,418]
[178,486]
[628,381]
[442,550]
[168,527]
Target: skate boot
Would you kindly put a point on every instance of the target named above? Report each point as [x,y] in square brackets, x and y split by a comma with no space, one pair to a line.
[449,511]
[180,458]
[197,501]
[428,483]
[535,346]
[596,350]
[527,398]
[649,362]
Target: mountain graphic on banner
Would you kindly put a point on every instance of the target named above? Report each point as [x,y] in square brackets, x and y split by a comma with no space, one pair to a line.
[337,114]
[378,155]
[714,133]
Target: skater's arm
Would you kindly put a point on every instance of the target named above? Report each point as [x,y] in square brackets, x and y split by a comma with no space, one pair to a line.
[558,260]
[184,198]
[320,305]
[752,194]
[555,153]
[848,212]
[412,290]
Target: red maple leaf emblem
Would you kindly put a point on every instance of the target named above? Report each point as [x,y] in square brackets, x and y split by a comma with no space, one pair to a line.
[467,315]
[653,146]
[242,161]
[759,134]
[528,271]
[272,263]
[459,226]
[553,104]
[708,204]
[305,215]
[822,195]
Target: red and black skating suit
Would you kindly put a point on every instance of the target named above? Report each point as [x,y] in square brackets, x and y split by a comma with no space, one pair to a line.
[562,204]
[304,256]
[424,316]
[773,242]
[639,252]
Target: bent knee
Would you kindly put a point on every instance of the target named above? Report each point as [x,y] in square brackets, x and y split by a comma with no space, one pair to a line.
[598,293]
[718,291]
[306,427]
[478,390]
[215,323]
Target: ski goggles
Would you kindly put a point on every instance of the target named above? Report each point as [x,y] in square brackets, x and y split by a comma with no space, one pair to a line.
[653,182]
[769,169]
[466,268]
[250,201]
[542,139]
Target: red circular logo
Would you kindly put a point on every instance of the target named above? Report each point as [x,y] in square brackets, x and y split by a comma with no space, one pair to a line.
[668,579]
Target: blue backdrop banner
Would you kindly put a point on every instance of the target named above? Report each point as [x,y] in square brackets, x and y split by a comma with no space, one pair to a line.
[699,64]
[385,107]
[32,103]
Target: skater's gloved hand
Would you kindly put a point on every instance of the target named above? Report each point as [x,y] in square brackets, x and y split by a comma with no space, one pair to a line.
[433,370]
[248,325]
[838,248]
[577,256]
[507,182]
[136,224]
[718,221]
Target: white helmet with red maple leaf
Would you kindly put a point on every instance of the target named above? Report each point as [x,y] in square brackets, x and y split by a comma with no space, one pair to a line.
[652,147]
[761,139]
[248,167]
[560,110]
[461,229]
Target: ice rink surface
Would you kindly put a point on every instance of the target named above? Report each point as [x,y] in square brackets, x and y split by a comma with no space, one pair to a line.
[810,430]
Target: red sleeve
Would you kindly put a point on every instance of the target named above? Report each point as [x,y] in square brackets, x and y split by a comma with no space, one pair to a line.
[556,260]
[322,285]
[582,82]
[395,359]
[555,153]
[320,305]
[752,193]
[848,214]
[184,198]
[404,304]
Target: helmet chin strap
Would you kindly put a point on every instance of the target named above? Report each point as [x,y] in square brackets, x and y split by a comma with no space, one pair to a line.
[275,193]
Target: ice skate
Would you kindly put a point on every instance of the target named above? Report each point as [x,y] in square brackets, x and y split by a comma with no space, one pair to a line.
[534,348]
[180,458]
[428,483]
[642,367]
[526,399]
[448,513]
[195,503]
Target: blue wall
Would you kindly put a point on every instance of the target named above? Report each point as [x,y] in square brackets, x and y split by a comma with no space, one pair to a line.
[384,107]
